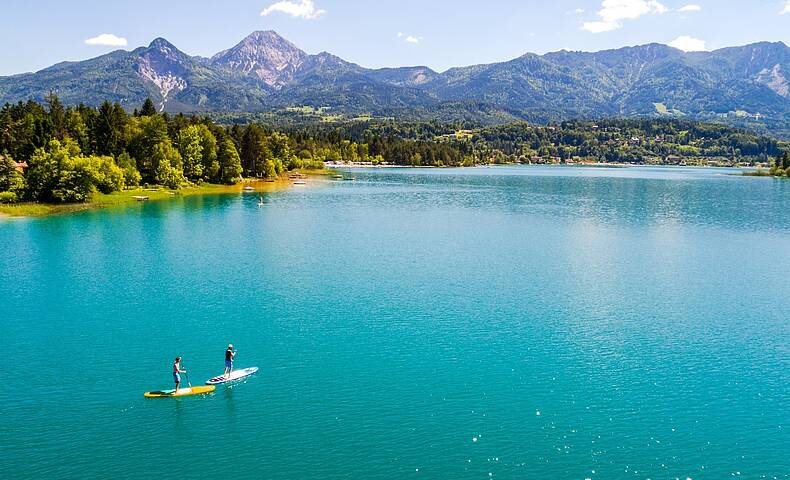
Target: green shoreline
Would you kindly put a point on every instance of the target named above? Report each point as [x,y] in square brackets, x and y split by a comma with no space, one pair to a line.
[127,197]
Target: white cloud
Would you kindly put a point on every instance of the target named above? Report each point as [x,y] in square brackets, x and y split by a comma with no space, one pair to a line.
[786,8]
[578,11]
[599,27]
[107,39]
[688,44]
[409,38]
[303,9]
[690,8]
[616,10]
[613,12]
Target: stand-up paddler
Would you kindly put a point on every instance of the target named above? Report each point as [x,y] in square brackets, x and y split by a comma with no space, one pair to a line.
[230,353]
[176,371]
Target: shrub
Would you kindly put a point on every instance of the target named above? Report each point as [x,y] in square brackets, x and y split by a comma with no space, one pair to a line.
[131,177]
[313,165]
[76,182]
[8,197]
[107,176]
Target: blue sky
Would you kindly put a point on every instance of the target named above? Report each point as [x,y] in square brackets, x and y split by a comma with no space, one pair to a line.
[376,33]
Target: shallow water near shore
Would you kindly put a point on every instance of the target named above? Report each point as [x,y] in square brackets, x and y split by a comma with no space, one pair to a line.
[504,322]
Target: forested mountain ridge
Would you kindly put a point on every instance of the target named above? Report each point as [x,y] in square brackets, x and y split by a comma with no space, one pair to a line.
[747,85]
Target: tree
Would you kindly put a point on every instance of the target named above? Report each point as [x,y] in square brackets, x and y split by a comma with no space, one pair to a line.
[131,176]
[188,142]
[269,168]
[109,129]
[144,133]
[167,165]
[76,129]
[107,176]
[44,171]
[57,115]
[75,181]
[278,144]
[60,174]
[10,178]
[230,169]
[209,161]
[148,109]
[253,150]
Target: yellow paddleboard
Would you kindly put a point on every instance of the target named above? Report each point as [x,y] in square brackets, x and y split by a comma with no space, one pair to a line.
[182,392]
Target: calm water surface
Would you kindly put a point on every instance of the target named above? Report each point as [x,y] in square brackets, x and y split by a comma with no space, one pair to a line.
[515,322]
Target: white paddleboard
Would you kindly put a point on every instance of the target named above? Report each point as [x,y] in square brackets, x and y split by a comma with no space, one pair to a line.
[234,375]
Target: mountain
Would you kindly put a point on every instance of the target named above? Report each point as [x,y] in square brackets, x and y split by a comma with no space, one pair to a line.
[264,57]
[265,72]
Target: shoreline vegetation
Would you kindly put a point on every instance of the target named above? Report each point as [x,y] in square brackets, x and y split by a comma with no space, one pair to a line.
[157,193]
[560,164]
[56,158]
[151,194]
[780,169]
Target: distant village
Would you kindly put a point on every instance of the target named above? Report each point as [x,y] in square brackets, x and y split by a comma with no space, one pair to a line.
[495,157]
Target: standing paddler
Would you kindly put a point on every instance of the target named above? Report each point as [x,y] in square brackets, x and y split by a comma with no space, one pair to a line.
[230,353]
[176,371]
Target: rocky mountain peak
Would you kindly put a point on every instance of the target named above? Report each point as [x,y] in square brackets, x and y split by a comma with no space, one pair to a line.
[268,37]
[164,66]
[162,45]
[265,55]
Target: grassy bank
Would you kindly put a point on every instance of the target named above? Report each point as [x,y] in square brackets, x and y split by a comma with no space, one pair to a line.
[127,197]
[765,173]
[101,200]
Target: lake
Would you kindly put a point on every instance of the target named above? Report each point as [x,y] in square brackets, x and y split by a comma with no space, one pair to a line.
[507,322]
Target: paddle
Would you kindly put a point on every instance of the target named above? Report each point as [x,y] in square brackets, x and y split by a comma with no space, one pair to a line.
[187,375]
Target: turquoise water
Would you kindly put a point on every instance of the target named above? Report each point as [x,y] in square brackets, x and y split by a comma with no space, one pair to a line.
[513,322]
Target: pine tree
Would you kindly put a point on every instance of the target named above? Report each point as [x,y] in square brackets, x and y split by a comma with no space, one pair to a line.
[57,115]
[109,129]
[253,150]
[148,108]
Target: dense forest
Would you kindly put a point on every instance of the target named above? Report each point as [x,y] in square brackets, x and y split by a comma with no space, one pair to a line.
[59,154]
[635,141]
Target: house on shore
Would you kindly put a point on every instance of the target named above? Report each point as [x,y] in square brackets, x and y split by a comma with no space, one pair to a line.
[19,166]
